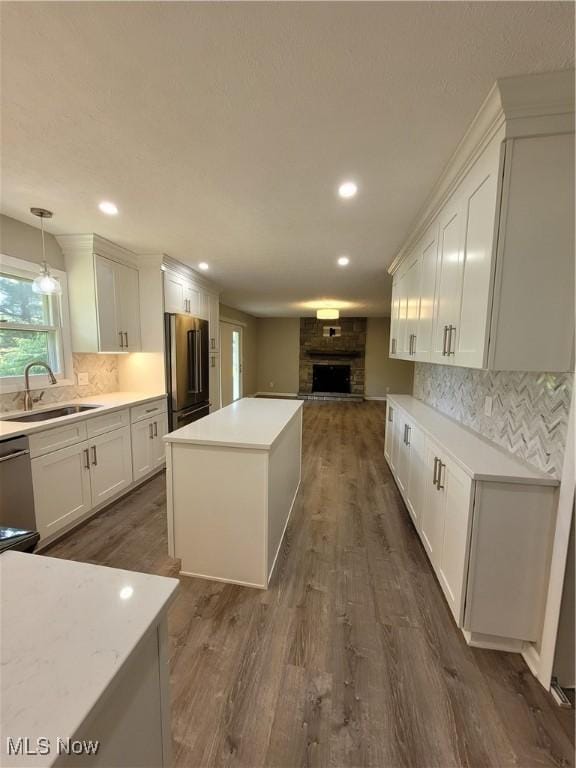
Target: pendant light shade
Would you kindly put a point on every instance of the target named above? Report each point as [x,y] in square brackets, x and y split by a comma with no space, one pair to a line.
[45,284]
[327,314]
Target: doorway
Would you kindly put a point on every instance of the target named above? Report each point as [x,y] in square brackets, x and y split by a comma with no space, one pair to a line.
[231,362]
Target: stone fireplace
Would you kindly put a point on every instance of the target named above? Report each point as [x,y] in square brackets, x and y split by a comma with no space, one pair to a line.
[332,355]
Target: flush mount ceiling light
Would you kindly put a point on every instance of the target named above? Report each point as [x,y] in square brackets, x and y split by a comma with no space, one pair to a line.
[45,284]
[348,189]
[327,314]
[343,261]
[203,266]
[109,208]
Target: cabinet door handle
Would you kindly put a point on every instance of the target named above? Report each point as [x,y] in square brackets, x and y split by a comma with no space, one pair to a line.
[408,428]
[439,483]
[121,339]
[451,329]
[86,458]
[413,343]
[155,429]
[390,412]
[213,362]
[393,346]
[213,343]
[436,462]
[126,339]
[150,431]
[444,340]
[94,456]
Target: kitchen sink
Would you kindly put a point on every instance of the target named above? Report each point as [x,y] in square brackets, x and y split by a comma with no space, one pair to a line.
[53,413]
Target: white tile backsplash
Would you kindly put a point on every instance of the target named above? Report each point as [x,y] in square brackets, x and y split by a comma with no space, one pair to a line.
[102,373]
[529,410]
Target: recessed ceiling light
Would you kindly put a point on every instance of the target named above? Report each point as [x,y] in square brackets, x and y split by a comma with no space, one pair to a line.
[348,189]
[109,208]
[343,261]
[203,266]
[327,314]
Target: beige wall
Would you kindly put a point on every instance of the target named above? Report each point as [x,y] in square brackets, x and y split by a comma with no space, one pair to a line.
[278,341]
[23,241]
[384,375]
[249,343]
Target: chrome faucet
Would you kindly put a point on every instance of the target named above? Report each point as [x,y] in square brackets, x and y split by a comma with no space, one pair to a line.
[28,399]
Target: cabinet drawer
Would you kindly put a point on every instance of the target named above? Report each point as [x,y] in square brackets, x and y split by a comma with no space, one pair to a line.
[56,438]
[107,421]
[144,411]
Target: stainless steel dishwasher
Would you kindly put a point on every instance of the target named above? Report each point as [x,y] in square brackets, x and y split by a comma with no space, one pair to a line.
[16,494]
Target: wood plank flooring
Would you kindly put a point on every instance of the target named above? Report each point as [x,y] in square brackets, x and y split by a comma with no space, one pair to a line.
[352,657]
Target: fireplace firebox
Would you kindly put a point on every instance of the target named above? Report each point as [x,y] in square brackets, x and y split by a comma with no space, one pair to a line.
[331,378]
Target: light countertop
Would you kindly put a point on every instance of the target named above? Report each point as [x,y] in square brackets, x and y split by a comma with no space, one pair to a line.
[111,401]
[478,457]
[252,422]
[67,628]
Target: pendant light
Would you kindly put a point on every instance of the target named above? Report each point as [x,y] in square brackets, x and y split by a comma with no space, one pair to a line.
[45,284]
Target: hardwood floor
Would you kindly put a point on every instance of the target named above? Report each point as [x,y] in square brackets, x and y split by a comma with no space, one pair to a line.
[352,657]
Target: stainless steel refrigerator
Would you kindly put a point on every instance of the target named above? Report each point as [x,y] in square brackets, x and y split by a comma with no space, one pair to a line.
[187,345]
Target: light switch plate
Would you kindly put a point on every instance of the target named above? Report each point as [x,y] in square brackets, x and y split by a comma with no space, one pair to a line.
[83,379]
[488,406]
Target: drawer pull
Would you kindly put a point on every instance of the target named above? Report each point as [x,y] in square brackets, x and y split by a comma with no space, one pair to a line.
[151,410]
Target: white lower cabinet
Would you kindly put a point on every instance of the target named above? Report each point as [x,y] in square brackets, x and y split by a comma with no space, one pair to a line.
[487,531]
[148,452]
[108,455]
[61,482]
[110,464]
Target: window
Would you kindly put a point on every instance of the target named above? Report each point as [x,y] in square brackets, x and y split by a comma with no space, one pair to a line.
[31,326]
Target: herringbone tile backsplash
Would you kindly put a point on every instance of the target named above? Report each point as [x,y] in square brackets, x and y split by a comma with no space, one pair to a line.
[102,372]
[529,410]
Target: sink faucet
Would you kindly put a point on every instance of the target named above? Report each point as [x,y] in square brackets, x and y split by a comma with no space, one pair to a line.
[28,399]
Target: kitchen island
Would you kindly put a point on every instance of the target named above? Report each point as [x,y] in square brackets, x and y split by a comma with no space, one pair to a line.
[232,479]
[84,659]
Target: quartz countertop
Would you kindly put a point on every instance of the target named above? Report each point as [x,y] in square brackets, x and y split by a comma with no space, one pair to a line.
[252,422]
[111,401]
[479,458]
[67,628]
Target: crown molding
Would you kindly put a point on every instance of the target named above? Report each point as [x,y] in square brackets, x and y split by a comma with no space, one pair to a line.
[527,105]
[188,274]
[93,243]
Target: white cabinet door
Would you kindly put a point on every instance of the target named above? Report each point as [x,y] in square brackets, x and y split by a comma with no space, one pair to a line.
[107,303]
[417,474]
[61,482]
[204,305]
[480,195]
[449,282]
[110,464]
[158,446]
[432,517]
[192,299]
[173,293]
[412,280]
[403,455]
[429,258]
[142,455]
[394,315]
[214,322]
[457,502]
[401,344]
[128,296]
[214,374]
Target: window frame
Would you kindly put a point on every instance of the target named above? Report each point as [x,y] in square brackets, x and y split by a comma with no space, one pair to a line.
[10,265]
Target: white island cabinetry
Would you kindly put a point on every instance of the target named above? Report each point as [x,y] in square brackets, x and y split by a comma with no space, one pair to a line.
[84,657]
[232,478]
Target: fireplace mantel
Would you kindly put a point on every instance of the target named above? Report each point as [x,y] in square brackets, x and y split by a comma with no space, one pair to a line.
[333,353]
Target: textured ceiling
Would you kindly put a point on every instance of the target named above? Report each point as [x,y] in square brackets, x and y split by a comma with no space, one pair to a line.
[221,130]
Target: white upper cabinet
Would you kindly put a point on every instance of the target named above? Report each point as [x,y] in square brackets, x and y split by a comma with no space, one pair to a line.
[496,258]
[184,295]
[103,293]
